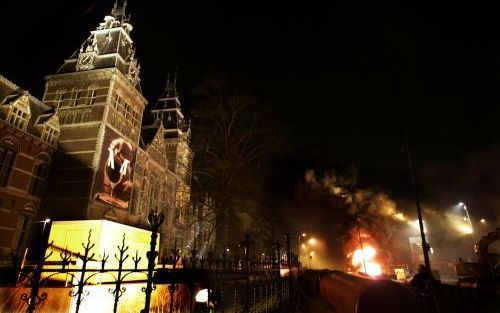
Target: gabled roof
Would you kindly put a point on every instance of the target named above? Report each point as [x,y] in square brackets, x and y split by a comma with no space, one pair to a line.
[43,118]
[10,92]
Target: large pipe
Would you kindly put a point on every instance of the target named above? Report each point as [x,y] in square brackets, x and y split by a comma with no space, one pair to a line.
[348,293]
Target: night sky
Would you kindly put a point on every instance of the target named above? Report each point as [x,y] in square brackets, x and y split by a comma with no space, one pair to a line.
[340,77]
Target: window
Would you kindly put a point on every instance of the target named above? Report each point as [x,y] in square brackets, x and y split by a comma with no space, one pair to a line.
[59,98]
[50,135]
[127,107]
[136,118]
[19,118]
[92,95]
[7,158]
[38,181]
[22,232]
[182,215]
[153,192]
[75,95]
[117,101]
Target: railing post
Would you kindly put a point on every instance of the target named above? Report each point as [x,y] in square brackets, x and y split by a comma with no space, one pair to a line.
[119,290]
[82,280]
[289,264]
[155,219]
[171,287]
[246,245]
[37,275]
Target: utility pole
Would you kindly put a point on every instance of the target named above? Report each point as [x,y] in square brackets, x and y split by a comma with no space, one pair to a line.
[413,178]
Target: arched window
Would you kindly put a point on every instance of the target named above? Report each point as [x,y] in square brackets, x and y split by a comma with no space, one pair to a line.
[39,179]
[8,152]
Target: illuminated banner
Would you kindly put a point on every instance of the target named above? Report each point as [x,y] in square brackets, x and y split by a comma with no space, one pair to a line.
[113,184]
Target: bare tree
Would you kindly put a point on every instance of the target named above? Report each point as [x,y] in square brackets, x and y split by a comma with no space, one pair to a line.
[232,135]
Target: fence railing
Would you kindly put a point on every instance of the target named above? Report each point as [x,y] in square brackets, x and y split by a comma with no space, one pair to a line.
[233,280]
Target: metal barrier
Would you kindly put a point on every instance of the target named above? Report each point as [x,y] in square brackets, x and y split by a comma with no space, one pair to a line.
[236,282]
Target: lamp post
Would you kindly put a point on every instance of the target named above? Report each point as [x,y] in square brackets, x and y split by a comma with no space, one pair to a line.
[155,219]
[302,234]
[463,206]
[307,247]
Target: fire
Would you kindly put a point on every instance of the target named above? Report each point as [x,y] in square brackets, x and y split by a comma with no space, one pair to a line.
[364,261]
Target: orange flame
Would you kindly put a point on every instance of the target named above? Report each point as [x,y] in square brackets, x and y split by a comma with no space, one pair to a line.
[364,261]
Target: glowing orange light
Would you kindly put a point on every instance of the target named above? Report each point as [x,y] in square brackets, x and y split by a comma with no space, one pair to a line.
[364,261]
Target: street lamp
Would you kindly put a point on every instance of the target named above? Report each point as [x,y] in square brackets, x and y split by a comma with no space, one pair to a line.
[306,246]
[303,234]
[463,206]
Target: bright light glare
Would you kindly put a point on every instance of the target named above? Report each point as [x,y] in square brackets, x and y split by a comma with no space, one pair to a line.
[364,260]
[415,224]
[284,272]
[483,221]
[304,234]
[368,253]
[373,269]
[202,296]
[466,229]
[312,241]
[460,204]
[47,220]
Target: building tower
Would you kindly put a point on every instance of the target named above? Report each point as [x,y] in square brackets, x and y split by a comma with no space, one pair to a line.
[98,99]
[167,112]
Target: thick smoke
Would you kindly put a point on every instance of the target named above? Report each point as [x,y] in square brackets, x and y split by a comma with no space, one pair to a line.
[360,215]
[337,205]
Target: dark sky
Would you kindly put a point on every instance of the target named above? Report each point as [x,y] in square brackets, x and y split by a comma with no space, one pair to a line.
[338,74]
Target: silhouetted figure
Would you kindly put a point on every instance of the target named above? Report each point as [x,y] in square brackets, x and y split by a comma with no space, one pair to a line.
[427,288]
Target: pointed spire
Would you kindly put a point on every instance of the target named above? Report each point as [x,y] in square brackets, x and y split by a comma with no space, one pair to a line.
[171,88]
[167,86]
[119,12]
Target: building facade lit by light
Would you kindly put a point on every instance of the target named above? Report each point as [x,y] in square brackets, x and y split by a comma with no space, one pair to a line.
[108,165]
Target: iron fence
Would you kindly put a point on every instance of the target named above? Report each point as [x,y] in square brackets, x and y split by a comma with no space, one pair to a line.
[235,280]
